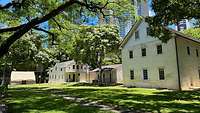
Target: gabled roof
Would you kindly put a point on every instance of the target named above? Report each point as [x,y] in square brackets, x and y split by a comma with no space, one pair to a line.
[136,25]
[130,33]
[65,64]
[185,36]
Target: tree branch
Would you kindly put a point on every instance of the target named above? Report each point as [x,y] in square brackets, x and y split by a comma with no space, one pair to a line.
[13,3]
[48,32]
[11,29]
[20,32]
[43,30]
[24,28]
[59,26]
[8,5]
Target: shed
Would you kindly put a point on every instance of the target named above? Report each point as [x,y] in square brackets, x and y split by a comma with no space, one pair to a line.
[23,77]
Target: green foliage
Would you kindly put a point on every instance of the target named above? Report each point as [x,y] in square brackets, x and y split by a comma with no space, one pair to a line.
[194,32]
[94,42]
[26,53]
[168,12]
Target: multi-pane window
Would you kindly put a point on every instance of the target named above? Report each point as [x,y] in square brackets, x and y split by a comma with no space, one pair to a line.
[137,35]
[130,54]
[60,69]
[131,74]
[73,66]
[143,51]
[159,49]
[197,52]
[161,74]
[145,74]
[188,50]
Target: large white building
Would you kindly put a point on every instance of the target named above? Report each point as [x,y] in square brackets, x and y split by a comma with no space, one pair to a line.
[68,71]
[147,62]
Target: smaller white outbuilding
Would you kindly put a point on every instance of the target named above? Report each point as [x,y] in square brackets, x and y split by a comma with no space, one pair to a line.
[110,74]
[23,77]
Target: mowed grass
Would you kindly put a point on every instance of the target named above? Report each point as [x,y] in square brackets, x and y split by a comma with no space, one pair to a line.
[41,98]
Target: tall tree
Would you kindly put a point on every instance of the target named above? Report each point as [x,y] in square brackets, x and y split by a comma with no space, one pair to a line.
[94,43]
[169,12]
[21,16]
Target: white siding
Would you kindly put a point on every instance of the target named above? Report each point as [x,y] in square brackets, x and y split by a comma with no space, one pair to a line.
[189,64]
[152,62]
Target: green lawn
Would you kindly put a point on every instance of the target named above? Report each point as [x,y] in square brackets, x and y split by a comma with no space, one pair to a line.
[42,99]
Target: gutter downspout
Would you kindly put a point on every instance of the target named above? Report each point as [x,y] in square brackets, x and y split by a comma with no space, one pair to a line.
[178,68]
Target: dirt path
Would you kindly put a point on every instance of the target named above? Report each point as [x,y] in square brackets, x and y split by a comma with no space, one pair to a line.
[84,102]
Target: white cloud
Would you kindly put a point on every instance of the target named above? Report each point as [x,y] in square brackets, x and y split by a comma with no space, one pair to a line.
[151,13]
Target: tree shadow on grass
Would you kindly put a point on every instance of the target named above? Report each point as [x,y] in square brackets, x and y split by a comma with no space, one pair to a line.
[95,85]
[163,101]
[41,101]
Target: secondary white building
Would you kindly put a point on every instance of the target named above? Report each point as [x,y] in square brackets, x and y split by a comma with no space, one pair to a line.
[110,74]
[68,71]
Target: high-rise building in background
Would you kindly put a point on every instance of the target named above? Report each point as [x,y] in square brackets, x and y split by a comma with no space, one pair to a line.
[141,10]
[182,25]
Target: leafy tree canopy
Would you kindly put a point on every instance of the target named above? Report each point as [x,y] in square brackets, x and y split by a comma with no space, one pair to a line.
[26,15]
[94,43]
[26,53]
[168,12]
[194,32]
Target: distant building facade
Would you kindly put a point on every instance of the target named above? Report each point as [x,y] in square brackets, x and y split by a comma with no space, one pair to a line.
[110,74]
[68,71]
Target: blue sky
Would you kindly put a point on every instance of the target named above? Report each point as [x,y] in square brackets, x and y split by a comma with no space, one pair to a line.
[4,1]
[90,21]
[94,20]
